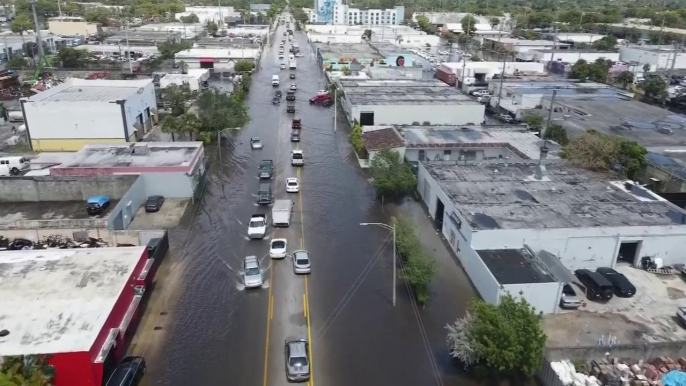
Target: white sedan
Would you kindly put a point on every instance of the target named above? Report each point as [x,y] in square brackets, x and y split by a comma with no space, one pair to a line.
[292,185]
[299,55]
[278,248]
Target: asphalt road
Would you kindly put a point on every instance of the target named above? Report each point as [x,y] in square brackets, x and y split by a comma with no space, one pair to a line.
[223,334]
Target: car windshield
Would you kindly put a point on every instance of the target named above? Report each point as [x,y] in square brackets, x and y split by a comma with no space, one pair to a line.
[302,260]
[292,183]
[568,290]
[297,156]
[252,271]
[278,245]
[298,362]
[256,223]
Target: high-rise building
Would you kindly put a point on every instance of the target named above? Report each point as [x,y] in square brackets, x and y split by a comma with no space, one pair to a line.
[346,15]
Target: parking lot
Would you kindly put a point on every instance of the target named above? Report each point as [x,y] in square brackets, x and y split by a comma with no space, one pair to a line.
[648,316]
[167,217]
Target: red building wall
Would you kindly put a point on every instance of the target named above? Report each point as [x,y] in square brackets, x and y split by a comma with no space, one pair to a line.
[73,369]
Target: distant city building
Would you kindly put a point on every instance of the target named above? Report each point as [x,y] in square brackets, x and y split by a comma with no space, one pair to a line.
[345,14]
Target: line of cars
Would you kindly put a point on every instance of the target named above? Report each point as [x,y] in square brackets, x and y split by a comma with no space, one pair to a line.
[602,284]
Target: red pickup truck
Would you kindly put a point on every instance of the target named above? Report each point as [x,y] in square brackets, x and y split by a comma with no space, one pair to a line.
[321,98]
[296,125]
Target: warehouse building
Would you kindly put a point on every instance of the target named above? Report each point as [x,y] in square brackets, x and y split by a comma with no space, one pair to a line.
[581,217]
[217,59]
[407,102]
[79,306]
[80,111]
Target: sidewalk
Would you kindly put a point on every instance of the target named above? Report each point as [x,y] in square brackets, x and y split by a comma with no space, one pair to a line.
[449,294]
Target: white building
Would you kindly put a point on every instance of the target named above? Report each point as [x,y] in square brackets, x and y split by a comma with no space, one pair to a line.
[522,45]
[209,14]
[506,143]
[80,111]
[334,38]
[479,72]
[216,59]
[407,102]
[568,56]
[73,26]
[188,31]
[193,78]
[658,57]
[347,15]
[576,39]
[118,50]
[489,211]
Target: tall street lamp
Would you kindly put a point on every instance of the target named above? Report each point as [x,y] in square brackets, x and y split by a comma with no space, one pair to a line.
[392,229]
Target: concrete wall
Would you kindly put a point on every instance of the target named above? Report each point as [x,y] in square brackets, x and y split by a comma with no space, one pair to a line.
[170,185]
[634,352]
[48,188]
[137,104]
[111,237]
[545,297]
[459,238]
[590,247]
[122,214]
[455,114]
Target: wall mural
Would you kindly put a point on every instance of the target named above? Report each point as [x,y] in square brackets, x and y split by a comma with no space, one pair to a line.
[325,11]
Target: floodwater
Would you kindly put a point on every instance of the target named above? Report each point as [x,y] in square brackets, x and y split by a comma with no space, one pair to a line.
[221,333]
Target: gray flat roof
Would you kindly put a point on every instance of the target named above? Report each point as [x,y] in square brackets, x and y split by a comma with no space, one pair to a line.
[512,266]
[58,300]
[84,90]
[501,196]
[140,154]
[648,125]
[402,92]
[522,142]
[370,50]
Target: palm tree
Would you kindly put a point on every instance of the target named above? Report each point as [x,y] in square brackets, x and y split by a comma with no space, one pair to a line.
[183,66]
[646,68]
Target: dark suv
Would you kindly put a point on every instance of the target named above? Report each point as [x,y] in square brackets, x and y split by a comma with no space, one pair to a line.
[129,372]
[597,286]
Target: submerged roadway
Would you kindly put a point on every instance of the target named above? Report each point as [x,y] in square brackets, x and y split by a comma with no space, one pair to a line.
[221,334]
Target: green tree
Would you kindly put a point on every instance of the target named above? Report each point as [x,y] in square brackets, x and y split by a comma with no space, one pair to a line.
[357,141]
[506,338]
[176,97]
[72,57]
[654,86]
[468,24]
[418,269]
[646,68]
[192,18]
[425,26]
[557,133]
[244,66]
[212,28]
[607,43]
[494,22]
[218,111]
[98,15]
[596,151]
[168,49]
[183,66]
[392,176]
[625,78]
[21,24]
[533,120]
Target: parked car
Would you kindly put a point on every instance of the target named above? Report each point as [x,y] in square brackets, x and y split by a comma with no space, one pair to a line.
[569,298]
[483,99]
[297,359]
[296,124]
[129,372]
[478,93]
[14,114]
[505,118]
[154,204]
[301,262]
[278,248]
[97,204]
[621,284]
[292,185]
[298,55]
[266,168]
[597,286]
[257,227]
[295,136]
[252,274]
[255,143]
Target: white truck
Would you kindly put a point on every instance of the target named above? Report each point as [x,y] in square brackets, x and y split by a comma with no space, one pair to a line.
[257,228]
[281,213]
[291,64]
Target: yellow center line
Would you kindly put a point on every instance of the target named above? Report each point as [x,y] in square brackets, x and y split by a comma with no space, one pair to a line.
[304,305]
[270,303]
[309,334]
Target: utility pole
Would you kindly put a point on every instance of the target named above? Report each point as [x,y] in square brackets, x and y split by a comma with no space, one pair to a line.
[550,117]
[59,8]
[502,78]
[552,54]
[128,48]
[38,37]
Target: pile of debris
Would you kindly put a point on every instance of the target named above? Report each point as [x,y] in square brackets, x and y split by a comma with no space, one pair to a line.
[619,373]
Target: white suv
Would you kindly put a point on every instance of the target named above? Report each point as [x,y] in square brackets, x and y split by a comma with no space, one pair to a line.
[257,228]
[297,158]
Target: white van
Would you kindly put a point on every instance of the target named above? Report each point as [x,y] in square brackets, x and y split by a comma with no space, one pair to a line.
[13,165]
[275,80]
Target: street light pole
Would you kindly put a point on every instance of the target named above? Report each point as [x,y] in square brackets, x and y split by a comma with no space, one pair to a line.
[392,229]
[38,37]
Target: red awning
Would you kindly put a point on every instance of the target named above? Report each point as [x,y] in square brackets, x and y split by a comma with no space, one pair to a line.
[206,60]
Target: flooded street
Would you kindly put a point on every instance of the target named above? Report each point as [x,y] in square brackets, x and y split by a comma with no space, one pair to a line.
[218,333]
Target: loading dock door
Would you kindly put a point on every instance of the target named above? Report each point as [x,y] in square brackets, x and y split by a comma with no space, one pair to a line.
[367,118]
[207,63]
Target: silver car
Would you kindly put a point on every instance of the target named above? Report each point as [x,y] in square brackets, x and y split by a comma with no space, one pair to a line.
[252,274]
[301,262]
[569,298]
[297,353]
[255,143]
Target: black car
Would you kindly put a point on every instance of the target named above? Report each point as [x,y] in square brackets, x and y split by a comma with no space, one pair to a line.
[621,284]
[295,136]
[597,286]
[154,203]
[278,94]
[129,372]
[292,76]
[290,95]
[290,109]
